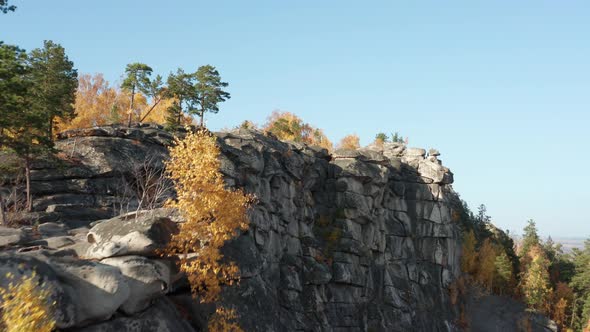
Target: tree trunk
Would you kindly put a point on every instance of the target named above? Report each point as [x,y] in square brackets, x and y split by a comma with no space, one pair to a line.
[3,220]
[131,107]
[150,110]
[179,111]
[50,128]
[28,183]
[202,111]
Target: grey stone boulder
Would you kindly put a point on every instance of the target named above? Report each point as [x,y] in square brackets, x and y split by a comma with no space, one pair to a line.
[434,171]
[141,233]
[110,155]
[415,152]
[95,290]
[161,317]
[147,280]
[346,153]
[55,242]
[83,291]
[49,229]
[20,266]
[11,236]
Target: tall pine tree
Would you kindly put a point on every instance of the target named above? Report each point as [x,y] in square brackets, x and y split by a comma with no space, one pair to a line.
[208,92]
[181,89]
[23,123]
[54,84]
[137,79]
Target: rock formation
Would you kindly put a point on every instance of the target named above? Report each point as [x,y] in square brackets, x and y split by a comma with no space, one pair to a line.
[357,240]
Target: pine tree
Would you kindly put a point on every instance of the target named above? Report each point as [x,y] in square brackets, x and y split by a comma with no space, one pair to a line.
[5,7]
[156,92]
[581,284]
[14,86]
[504,273]
[208,92]
[136,80]
[180,89]
[397,138]
[381,138]
[23,126]
[530,238]
[54,84]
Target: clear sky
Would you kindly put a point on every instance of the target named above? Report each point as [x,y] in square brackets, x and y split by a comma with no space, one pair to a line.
[501,88]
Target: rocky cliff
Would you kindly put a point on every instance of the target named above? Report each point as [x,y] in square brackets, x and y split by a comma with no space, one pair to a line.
[353,241]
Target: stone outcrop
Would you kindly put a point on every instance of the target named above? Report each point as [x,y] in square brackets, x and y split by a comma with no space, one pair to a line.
[357,240]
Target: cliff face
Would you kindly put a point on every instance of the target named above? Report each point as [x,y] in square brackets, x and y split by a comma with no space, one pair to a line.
[355,241]
[361,242]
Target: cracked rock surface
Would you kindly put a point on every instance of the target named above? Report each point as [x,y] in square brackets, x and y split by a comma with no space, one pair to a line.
[357,240]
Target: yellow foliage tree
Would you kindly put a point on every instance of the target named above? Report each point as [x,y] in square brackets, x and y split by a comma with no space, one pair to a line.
[98,104]
[350,142]
[562,299]
[535,281]
[288,126]
[469,255]
[212,214]
[487,265]
[25,306]
[223,320]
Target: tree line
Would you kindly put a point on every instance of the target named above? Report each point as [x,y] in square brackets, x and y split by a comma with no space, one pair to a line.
[534,271]
[41,92]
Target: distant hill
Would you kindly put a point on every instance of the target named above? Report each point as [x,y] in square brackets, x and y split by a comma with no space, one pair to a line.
[570,242]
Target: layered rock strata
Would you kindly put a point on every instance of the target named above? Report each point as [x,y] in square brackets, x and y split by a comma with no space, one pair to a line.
[357,240]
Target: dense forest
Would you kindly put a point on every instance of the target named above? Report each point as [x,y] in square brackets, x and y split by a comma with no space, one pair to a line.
[527,268]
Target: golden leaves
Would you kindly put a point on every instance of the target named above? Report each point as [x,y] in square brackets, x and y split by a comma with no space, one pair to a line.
[25,306]
[213,214]
[351,142]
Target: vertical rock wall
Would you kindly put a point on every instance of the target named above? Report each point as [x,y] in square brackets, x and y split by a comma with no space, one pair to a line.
[357,241]
[354,241]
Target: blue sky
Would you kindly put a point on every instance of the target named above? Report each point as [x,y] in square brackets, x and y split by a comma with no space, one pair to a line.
[501,88]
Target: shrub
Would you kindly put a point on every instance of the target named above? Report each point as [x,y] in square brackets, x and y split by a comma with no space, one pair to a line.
[25,306]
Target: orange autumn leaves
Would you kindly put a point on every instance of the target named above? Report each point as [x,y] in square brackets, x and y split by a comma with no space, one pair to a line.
[288,126]
[213,214]
[98,103]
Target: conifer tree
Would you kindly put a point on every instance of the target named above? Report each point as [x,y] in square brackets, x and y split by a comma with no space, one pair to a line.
[5,7]
[530,238]
[180,89]
[208,92]
[54,84]
[23,127]
[14,86]
[136,80]
[581,284]
[381,138]
[504,273]
[156,92]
